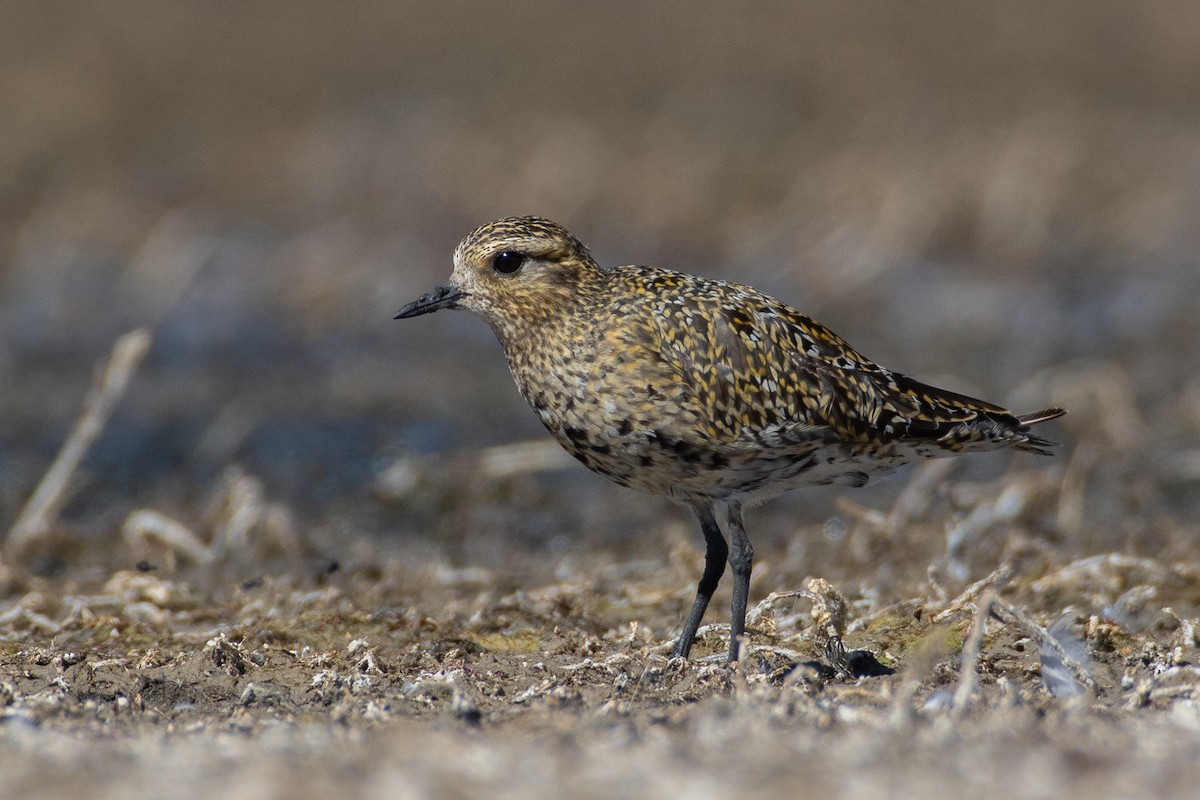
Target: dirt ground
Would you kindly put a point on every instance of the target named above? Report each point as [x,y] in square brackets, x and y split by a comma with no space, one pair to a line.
[284,546]
[420,680]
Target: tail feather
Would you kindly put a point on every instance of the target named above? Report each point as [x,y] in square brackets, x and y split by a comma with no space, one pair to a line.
[921,412]
[1038,417]
[1036,444]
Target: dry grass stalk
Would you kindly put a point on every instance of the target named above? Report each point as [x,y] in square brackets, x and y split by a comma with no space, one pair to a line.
[994,579]
[410,473]
[1011,615]
[42,509]
[1113,571]
[144,525]
[967,675]
[1069,517]
[1175,683]
[929,652]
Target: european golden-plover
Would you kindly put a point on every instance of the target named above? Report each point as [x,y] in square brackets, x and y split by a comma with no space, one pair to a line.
[710,393]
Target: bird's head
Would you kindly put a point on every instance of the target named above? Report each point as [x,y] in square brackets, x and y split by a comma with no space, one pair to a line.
[515,273]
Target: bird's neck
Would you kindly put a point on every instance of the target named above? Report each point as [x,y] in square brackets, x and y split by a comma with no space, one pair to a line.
[538,343]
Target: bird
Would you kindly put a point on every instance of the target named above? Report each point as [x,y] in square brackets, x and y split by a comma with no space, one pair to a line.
[711,393]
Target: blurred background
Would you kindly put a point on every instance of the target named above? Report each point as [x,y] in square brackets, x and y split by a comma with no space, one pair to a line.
[1000,198]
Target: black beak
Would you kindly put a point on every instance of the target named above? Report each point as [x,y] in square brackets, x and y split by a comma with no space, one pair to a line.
[442,297]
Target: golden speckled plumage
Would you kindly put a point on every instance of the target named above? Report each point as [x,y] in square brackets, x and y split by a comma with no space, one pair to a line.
[709,392]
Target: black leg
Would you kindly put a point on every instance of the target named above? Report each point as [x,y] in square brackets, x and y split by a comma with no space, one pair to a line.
[715,553]
[741,561]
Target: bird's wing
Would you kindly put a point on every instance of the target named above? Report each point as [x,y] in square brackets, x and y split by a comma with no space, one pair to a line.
[758,368]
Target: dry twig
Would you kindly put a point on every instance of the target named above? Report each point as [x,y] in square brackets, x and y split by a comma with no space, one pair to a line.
[42,509]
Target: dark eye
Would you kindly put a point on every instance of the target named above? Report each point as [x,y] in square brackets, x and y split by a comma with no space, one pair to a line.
[508,261]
